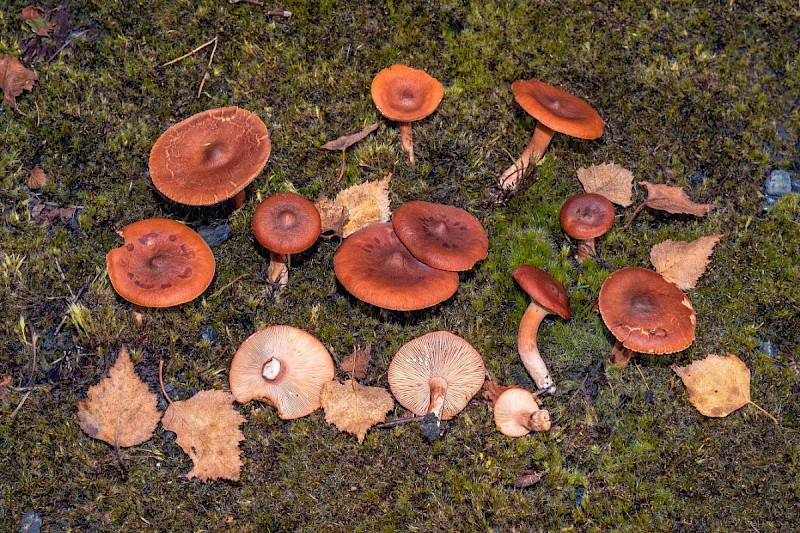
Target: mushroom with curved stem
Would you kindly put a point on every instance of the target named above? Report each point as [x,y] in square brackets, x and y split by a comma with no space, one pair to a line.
[585,217]
[516,410]
[548,296]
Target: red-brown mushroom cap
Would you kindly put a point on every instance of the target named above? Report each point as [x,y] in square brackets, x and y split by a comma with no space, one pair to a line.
[544,289]
[209,157]
[441,355]
[286,223]
[645,312]
[162,263]
[558,110]
[587,215]
[514,408]
[441,236]
[375,267]
[406,94]
[303,367]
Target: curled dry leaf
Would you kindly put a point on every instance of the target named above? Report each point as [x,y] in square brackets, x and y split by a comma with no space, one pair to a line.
[35,18]
[362,204]
[529,477]
[37,178]
[14,78]
[673,200]
[355,408]
[613,181]
[207,429]
[332,216]
[120,409]
[346,141]
[681,262]
[358,362]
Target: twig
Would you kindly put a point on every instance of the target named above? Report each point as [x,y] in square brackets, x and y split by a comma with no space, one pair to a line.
[207,76]
[184,56]
[219,291]
[640,373]
[764,411]
[33,356]
[161,380]
[66,43]
[635,212]
[341,171]
[15,411]
[254,2]
[399,422]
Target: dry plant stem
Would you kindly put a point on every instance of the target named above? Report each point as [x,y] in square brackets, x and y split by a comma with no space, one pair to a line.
[529,349]
[509,180]
[341,170]
[399,422]
[620,356]
[278,270]
[161,380]
[754,404]
[184,56]
[438,390]
[633,215]
[407,139]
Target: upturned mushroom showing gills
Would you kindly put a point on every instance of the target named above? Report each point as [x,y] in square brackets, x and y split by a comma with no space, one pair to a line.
[555,111]
[283,366]
[285,223]
[437,373]
[517,413]
[406,94]
[162,263]
[548,296]
[646,313]
[210,157]
[585,217]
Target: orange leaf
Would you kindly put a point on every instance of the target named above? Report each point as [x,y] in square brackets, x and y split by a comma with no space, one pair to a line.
[207,429]
[681,262]
[718,385]
[358,362]
[120,409]
[673,200]
[355,408]
[14,78]
[613,181]
[346,141]
[37,178]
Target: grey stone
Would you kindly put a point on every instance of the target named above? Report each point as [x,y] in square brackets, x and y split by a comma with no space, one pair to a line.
[209,335]
[768,348]
[795,184]
[697,179]
[31,523]
[214,235]
[782,132]
[778,183]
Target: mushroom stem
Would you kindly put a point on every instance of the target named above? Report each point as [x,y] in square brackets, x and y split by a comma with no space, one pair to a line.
[438,390]
[271,369]
[586,250]
[536,421]
[278,270]
[238,199]
[509,180]
[407,139]
[620,355]
[529,350]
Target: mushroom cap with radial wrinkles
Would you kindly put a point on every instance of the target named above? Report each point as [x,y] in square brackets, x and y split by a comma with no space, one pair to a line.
[557,109]
[586,216]
[544,289]
[286,223]
[406,94]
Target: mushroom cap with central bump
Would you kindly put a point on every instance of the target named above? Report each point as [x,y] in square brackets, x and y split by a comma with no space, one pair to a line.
[544,289]
[375,267]
[586,216]
[439,355]
[558,110]
[645,312]
[210,156]
[162,263]
[442,236]
[303,366]
[286,223]
[406,94]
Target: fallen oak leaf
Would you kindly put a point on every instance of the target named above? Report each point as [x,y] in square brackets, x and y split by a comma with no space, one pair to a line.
[14,78]
[612,181]
[346,141]
[120,409]
[673,200]
[681,262]
[718,385]
[355,408]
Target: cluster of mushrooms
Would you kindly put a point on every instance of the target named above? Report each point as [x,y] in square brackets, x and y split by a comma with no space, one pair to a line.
[407,264]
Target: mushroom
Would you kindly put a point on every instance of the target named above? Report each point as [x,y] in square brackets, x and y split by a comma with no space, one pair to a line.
[555,111]
[406,94]
[548,296]
[162,263]
[210,157]
[283,366]
[585,217]
[375,267]
[441,236]
[516,410]
[646,313]
[285,223]
[437,373]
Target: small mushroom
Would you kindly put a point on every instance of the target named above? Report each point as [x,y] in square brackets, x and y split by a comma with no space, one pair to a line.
[548,296]
[646,313]
[375,267]
[283,366]
[210,157]
[517,411]
[441,236]
[585,217]
[555,111]
[162,263]
[285,223]
[406,94]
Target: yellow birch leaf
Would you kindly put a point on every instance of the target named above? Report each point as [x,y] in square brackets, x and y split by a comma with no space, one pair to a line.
[718,385]
[355,408]
[613,181]
[681,262]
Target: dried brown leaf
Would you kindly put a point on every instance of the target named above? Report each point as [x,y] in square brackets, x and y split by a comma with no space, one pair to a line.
[5,383]
[120,409]
[358,362]
[673,200]
[207,429]
[346,141]
[355,408]
[529,477]
[365,204]
[613,181]
[681,262]
[14,78]
[35,18]
[717,385]
[332,215]
[37,178]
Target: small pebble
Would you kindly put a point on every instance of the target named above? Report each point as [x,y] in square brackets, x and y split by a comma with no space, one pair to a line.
[648,396]
[31,523]
[768,348]
[697,179]
[778,183]
[795,184]
[782,132]
[209,335]
[215,235]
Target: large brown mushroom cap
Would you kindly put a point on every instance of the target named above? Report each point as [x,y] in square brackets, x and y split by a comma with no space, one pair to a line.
[209,157]
[441,355]
[286,223]
[162,263]
[305,366]
[544,289]
[406,94]
[441,236]
[558,110]
[645,312]
[587,215]
[375,267]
